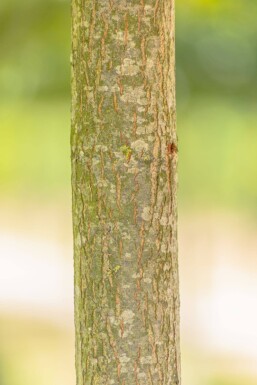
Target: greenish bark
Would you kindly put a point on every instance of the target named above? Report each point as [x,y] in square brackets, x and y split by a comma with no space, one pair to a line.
[124,182]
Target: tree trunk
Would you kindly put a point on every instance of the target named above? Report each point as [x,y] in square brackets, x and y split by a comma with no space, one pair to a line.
[124,181]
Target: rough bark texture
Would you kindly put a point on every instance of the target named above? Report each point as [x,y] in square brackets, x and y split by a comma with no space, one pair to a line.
[124,180]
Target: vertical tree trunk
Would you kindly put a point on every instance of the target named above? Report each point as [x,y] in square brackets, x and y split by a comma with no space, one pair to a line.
[124,180]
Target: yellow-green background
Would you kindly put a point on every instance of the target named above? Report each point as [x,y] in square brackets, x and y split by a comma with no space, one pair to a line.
[216,55]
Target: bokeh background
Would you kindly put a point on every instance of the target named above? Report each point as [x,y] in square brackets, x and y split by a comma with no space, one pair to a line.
[216,43]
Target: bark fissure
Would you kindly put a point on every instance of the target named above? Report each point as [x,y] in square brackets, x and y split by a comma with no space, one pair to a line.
[124,182]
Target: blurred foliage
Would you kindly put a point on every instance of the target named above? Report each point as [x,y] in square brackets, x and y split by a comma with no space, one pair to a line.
[35,39]
[35,157]
[216,50]
[230,380]
[217,47]
[216,55]
[34,351]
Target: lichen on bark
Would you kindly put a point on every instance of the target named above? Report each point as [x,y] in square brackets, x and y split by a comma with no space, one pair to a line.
[124,182]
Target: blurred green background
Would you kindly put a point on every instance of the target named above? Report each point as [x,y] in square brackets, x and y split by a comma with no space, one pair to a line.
[216,56]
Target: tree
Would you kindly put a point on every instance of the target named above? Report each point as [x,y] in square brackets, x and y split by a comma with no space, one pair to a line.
[124,181]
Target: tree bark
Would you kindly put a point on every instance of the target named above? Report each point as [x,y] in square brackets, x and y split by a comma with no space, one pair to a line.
[124,182]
